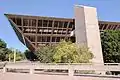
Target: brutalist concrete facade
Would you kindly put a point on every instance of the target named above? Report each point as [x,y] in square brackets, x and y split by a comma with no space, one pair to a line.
[35,31]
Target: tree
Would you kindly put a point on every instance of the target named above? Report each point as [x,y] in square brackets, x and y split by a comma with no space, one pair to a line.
[30,55]
[68,52]
[111,46]
[3,53]
[64,52]
[19,55]
[6,53]
[2,44]
[45,54]
[3,50]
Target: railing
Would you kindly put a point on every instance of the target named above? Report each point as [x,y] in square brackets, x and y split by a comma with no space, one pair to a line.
[71,68]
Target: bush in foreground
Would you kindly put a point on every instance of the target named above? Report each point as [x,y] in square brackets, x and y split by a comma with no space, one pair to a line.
[64,52]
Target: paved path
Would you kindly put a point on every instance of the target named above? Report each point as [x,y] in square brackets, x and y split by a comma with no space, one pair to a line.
[24,76]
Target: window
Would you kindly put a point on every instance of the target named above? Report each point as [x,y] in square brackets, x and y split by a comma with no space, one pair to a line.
[58,39]
[39,23]
[109,27]
[48,39]
[65,24]
[71,24]
[43,39]
[59,31]
[55,31]
[49,31]
[45,31]
[60,24]
[64,31]
[105,26]
[30,22]
[25,22]
[31,38]
[45,23]
[50,23]
[56,24]
[33,30]
[114,27]
[53,39]
[39,39]
[33,22]
[19,21]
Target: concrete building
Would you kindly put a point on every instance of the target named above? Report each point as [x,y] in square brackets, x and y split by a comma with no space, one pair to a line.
[84,28]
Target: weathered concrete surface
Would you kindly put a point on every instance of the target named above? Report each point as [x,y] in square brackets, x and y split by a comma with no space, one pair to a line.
[24,76]
[87,30]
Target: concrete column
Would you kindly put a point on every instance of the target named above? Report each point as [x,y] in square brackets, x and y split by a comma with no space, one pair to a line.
[87,31]
[14,56]
[31,71]
[4,69]
[70,71]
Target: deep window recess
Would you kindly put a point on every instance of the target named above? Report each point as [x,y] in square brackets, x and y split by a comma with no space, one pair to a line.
[31,38]
[33,22]
[39,23]
[19,21]
[45,23]
[60,24]
[53,39]
[56,24]
[58,39]
[39,39]
[43,39]
[30,22]
[48,39]
[65,24]
[25,22]
[71,24]
[50,23]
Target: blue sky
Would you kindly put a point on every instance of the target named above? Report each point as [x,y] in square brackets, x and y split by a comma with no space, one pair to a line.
[107,10]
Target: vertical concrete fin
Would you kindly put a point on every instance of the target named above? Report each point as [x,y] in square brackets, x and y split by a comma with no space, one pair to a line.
[87,30]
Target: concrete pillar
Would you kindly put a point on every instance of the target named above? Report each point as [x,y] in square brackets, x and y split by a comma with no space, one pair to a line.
[70,71]
[4,69]
[14,56]
[87,31]
[31,71]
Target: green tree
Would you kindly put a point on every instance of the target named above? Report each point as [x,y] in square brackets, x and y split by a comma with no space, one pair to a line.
[64,52]
[45,54]
[3,53]
[2,44]
[6,53]
[30,55]
[19,55]
[68,52]
[3,50]
[111,46]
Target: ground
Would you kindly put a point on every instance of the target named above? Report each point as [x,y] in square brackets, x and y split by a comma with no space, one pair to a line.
[27,76]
